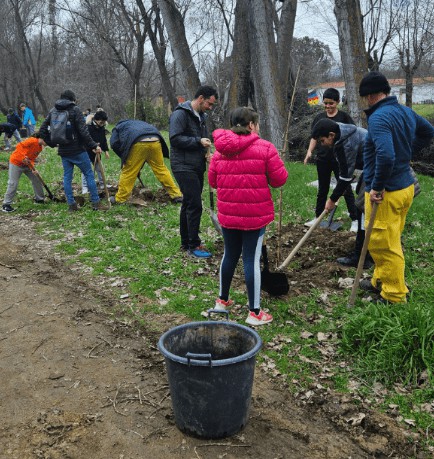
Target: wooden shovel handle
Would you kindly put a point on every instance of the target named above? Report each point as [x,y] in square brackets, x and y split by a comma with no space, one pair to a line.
[302,240]
[363,255]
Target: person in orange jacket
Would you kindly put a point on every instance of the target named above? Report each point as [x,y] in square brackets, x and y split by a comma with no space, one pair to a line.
[25,153]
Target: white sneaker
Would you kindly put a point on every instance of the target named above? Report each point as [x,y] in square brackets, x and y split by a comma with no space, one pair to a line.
[310,223]
[221,305]
[354,226]
[84,190]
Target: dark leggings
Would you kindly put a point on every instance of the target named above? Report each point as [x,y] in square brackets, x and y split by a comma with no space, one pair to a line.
[325,169]
[249,243]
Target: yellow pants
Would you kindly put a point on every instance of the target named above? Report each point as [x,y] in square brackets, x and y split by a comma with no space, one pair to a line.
[385,243]
[140,153]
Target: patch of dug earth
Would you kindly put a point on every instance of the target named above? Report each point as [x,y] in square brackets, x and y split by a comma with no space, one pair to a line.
[79,382]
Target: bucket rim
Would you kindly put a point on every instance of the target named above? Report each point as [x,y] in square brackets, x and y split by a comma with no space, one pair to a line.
[205,363]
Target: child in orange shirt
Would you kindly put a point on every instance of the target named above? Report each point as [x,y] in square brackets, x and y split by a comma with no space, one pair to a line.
[25,153]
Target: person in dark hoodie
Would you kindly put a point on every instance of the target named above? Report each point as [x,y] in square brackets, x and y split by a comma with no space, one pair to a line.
[98,133]
[74,153]
[136,143]
[13,118]
[346,142]
[190,143]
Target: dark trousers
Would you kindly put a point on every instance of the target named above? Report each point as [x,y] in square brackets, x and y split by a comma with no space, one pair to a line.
[191,185]
[325,169]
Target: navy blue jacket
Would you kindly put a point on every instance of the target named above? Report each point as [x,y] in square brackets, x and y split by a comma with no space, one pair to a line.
[7,128]
[394,133]
[185,131]
[82,139]
[127,132]
[15,120]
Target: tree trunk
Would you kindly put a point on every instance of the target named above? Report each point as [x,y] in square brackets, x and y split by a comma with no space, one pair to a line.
[239,88]
[269,94]
[174,23]
[353,55]
[284,41]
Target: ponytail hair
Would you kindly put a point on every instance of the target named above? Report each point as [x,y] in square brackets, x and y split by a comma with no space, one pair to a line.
[240,119]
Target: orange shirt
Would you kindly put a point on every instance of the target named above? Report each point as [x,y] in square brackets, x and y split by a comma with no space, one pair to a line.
[30,148]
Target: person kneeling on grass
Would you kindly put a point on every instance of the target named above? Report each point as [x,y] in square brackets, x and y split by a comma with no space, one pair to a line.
[25,153]
[242,170]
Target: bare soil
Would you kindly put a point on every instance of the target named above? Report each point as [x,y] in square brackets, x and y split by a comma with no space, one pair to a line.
[79,382]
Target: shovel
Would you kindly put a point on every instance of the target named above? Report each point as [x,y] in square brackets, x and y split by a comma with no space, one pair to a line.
[363,255]
[276,284]
[101,168]
[329,223]
[302,241]
[212,213]
[50,194]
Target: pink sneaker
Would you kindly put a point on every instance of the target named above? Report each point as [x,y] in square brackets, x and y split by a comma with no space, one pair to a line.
[261,319]
[221,305]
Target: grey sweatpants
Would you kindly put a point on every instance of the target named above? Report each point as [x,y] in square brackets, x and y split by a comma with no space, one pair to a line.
[14,178]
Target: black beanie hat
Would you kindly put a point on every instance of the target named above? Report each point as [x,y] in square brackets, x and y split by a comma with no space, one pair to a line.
[331,93]
[100,115]
[373,83]
[69,95]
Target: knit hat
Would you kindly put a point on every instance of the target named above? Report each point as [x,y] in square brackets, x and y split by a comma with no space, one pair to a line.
[373,83]
[100,115]
[69,95]
[331,93]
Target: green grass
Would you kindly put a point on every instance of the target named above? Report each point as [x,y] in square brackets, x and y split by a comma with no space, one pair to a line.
[138,249]
[425,110]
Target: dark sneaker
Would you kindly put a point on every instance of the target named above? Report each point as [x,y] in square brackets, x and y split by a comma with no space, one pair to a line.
[73,207]
[39,201]
[365,284]
[112,200]
[199,252]
[177,200]
[8,208]
[99,206]
[353,261]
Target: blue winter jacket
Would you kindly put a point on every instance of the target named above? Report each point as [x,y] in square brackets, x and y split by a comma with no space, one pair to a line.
[28,117]
[394,133]
[186,129]
[127,132]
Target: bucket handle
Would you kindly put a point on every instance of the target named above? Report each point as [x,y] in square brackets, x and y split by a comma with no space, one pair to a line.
[217,311]
[191,355]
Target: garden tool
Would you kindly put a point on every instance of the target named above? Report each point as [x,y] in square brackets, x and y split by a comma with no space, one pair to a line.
[276,284]
[368,232]
[50,194]
[302,241]
[101,168]
[212,213]
[329,223]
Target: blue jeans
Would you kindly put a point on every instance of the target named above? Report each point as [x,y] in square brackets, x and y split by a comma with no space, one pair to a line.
[82,161]
[249,243]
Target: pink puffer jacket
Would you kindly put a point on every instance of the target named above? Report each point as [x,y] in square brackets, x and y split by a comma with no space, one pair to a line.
[242,169]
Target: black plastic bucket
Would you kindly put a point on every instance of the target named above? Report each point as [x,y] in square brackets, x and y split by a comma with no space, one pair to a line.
[210,368]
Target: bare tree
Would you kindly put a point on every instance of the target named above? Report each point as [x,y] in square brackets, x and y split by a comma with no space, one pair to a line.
[352,48]
[414,39]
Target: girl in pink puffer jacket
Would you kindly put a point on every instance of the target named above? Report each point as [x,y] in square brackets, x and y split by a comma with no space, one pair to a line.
[242,170]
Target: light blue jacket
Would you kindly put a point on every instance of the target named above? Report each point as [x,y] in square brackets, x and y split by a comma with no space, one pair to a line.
[28,117]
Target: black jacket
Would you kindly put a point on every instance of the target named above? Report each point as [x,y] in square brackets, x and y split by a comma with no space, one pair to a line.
[186,152]
[98,133]
[15,120]
[127,132]
[82,141]
[7,128]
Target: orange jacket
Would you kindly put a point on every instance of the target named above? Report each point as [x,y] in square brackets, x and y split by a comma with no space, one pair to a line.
[29,148]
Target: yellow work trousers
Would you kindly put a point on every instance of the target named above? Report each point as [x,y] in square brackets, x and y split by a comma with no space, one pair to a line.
[141,153]
[385,243]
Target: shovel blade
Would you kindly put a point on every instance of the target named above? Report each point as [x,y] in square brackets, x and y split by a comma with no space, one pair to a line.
[275,284]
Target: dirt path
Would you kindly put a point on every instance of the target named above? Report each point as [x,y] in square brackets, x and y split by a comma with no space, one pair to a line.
[78,383]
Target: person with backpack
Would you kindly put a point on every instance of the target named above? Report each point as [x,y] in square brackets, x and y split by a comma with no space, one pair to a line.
[25,153]
[13,118]
[29,121]
[65,128]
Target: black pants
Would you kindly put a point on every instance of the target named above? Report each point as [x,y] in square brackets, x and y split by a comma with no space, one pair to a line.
[325,169]
[191,185]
